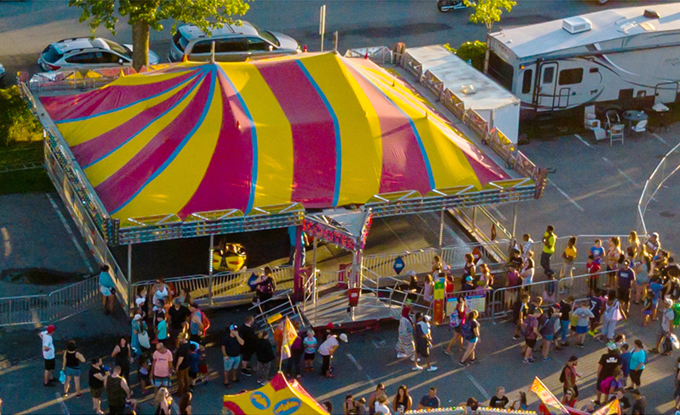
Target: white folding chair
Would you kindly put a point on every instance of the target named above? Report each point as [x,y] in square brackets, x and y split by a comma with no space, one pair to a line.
[616,133]
[640,127]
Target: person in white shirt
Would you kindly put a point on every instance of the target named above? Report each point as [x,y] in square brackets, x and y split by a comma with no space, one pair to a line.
[327,349]
[381,406]
[48,355]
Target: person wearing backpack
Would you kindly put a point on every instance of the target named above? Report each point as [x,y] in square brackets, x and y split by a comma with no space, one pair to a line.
[568,376]
[531,335]
[611,384]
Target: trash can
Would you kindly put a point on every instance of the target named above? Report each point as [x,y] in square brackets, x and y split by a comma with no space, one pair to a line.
[353,295]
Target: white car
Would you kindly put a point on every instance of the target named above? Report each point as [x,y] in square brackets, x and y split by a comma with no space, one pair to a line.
[232,43]
[84,52]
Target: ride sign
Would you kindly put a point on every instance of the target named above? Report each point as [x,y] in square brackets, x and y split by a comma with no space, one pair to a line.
[398,265]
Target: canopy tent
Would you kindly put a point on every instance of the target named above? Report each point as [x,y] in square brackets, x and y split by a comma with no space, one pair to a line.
[276,397]
[317,129]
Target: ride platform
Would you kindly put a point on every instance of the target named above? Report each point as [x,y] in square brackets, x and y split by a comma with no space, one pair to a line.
[332,309]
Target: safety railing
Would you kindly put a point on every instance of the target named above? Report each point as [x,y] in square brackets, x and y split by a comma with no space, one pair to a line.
[669,164]
[49,308]
[381,54]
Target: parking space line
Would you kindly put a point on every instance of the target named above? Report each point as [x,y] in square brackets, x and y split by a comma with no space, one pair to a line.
[350,357]
[64,409]
[371,381]
[477,385]
[582,140]
[658,137]
[572,201]
[70,232]
[621,172]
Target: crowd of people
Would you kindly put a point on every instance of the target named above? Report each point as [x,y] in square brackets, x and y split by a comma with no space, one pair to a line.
[166,341]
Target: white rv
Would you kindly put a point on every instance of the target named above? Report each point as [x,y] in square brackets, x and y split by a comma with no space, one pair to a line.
[616,58]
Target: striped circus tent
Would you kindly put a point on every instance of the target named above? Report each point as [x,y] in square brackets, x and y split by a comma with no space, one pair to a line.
[317,129]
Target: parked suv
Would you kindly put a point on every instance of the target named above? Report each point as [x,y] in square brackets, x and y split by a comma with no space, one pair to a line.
[232,43]
[88,53]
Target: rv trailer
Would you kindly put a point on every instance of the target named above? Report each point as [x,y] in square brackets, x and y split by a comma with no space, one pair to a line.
[617,58]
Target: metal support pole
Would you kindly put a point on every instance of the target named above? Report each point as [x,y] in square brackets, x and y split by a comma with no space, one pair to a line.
[441,230]
[514,220]
[474,218]
[130,300]
[210,271]
[298,283]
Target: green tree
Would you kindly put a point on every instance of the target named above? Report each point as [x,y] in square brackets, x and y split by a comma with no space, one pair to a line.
[146,14]
[488,12]
[17,123]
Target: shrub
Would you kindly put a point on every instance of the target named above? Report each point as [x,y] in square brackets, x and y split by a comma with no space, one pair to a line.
[473,52]
[17,123]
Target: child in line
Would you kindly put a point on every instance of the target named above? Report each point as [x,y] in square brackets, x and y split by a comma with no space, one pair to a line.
[593,268]
[144,363]
[597,251]
[202,365]
[648,307]
[583,316]
[656,287]
[310,344]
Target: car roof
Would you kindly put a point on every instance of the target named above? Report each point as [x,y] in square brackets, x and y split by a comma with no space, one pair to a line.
[192,32]
[80,43]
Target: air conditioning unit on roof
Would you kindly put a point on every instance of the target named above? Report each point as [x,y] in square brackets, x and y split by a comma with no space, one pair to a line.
[576,25]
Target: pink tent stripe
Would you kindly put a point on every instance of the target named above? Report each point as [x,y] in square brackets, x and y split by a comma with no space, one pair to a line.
[228,177]
[113,97]
[312,129]
[92,150]
[403,165]
[124,183]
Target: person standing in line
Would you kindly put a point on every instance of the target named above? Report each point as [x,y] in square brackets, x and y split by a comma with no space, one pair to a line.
[231,354]
[549,240]
[265,357]
[423,340]
[95,378]
[296,352]
[569,375]
[123,356]
[182,363]
[638,357]
[71,367]
[614,253]
[107,288]
[470,332]
[428,290]
[653,244]
[247,333]
[195,323]
[117,392]
[667,316]
[381,406]
[310,344]
[608,363]
[48,355]
[568,256]
[161,368]
[565,312]
[457,319]
[640,403]
[528,269]
[161,328]
[547,329]
[531,335]
[178,316]
[519,313]
[327,349]
[584,315]
[625,276]
[613,313]
[596,305]
[527,246]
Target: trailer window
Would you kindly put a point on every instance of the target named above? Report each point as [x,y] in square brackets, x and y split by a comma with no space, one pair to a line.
[548,74]
[500,70]
[526,81]
[571,76]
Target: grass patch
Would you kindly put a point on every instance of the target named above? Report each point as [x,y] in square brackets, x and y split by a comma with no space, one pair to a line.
[23,181]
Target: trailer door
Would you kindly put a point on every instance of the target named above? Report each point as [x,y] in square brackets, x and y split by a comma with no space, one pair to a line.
[546,89]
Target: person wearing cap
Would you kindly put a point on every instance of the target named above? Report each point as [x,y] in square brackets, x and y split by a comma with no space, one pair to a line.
[231,354]
[423,340]
[639,404]
[609,362]
[178,315]
[48,354]
[667,316]
[327,349]
[468,285]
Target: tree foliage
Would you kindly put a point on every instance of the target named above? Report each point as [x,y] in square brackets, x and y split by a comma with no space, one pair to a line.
[17,123]
[145,14]
[473,52]
[489,12]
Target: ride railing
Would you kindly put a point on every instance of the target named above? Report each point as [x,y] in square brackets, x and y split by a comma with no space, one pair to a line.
[378,54]
[48,308]
[669,164]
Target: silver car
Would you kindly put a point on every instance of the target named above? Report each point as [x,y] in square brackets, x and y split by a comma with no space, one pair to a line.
[88,53]
[232,43]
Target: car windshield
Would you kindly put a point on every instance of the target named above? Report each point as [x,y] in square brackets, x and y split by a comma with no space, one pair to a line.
[51,54]
[267,35]
[117,48]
